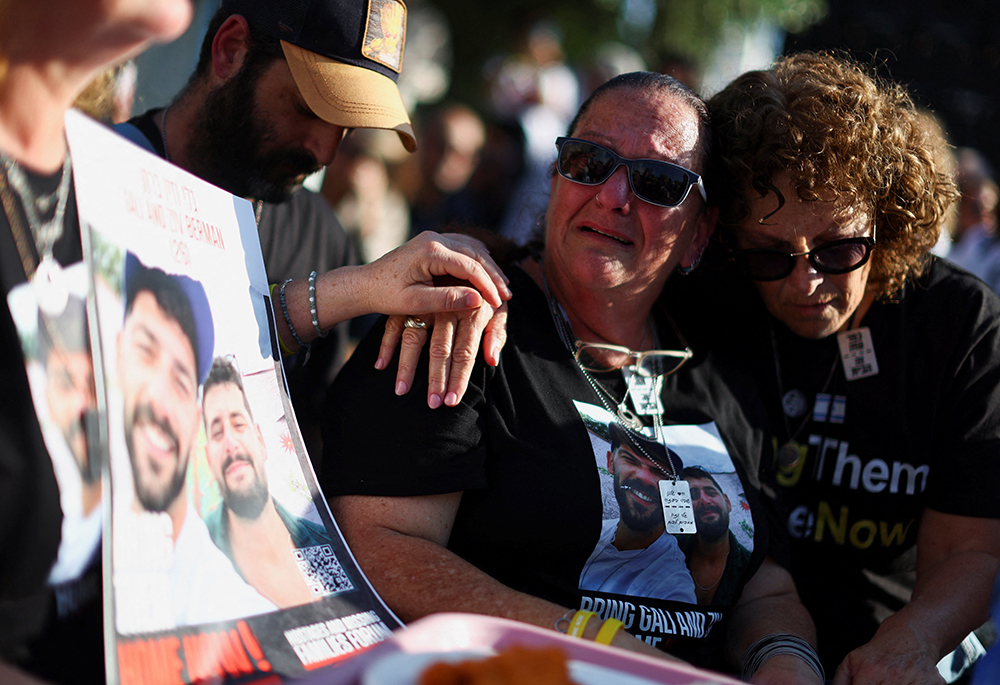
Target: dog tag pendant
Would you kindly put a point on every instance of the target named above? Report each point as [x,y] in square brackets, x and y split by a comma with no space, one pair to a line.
[678,513]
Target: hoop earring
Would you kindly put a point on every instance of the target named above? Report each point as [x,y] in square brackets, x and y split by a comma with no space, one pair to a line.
[686,270]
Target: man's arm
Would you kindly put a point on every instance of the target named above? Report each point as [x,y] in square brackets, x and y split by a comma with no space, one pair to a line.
[957,561]
[401,545]
[770,604]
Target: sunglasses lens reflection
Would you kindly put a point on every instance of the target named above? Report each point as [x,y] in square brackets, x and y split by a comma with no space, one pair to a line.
[667,184]
[587,164]
[840,257]
[660,183]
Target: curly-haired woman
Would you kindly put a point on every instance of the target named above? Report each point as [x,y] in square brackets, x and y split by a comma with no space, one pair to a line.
[879,365]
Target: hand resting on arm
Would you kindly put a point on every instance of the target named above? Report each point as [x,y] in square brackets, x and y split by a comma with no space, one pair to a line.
[408,281]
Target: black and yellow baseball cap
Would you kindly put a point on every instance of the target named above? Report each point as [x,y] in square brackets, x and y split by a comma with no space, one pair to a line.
[345,56]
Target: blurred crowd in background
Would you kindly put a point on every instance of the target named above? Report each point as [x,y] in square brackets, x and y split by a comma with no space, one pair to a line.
[485,164]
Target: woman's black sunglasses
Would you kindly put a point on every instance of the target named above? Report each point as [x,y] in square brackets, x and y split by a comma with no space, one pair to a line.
[835,257]
[657,182]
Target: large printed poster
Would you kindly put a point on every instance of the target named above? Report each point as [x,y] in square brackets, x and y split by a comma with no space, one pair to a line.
[224,561]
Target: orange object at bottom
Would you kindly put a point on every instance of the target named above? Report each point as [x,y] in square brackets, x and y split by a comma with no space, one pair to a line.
[515,665]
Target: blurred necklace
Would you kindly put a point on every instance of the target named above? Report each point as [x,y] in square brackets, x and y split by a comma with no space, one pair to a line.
[44,272]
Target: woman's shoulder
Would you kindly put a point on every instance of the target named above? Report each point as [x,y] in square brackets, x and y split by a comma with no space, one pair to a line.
[947,294]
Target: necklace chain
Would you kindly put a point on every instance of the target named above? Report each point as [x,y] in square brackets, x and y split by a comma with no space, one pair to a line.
[788,452]
[44,233]
[721,573]
[627,418]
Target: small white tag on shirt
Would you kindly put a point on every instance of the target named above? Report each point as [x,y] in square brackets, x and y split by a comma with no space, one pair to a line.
[678,514]
[645,393]
[857,353]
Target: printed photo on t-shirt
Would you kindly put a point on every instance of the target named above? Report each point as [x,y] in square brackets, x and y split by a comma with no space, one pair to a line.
[639,567]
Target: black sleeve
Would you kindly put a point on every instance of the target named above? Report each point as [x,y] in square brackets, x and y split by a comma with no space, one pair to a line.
[30,516]
[375,443]
[967,469]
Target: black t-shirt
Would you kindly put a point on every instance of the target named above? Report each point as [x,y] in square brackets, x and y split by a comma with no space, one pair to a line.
[922,432]
[296,237]
[528,447]
[61,646]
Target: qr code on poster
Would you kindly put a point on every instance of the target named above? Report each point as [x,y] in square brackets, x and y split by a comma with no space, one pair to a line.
[322,572]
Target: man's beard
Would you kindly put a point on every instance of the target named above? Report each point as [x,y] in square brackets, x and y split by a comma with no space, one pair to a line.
[150,499]
[247,504]
[227,147]
[712,531]
[634,520]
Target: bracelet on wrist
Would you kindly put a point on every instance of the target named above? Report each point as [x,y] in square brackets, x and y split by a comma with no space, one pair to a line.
[313,313]
[780,643]
[565,618]
[578,623]
[288,319]
[608,631]
[281,343]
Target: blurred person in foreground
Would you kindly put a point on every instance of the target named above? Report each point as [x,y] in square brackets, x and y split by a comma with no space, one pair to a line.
[878,364]
[50,51]
[495,505]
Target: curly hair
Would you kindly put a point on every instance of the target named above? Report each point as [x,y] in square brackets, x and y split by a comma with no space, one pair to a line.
[838,131]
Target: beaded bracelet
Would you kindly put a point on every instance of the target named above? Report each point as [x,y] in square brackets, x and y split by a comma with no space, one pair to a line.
[288,319]
[312,305]
[608,631]
[780,643]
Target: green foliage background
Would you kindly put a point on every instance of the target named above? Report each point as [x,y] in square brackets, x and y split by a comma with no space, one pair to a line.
[688,28]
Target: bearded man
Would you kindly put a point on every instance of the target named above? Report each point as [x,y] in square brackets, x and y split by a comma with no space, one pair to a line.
[270,546]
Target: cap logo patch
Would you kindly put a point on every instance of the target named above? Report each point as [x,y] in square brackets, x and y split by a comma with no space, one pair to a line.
[385,33]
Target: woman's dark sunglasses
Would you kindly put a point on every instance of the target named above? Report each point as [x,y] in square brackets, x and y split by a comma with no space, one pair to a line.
[835,257]
[657,182]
